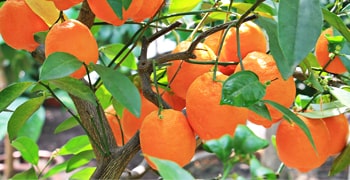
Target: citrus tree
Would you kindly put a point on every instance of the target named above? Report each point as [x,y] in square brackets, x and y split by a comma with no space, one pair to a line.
[220,64]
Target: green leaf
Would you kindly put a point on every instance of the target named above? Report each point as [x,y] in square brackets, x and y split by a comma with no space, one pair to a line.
[10,93]
[66,124]
[297,35]
[221,147]
[262,8]
[302,101]
[76,145]
[290,116]
[260,172]
[56,169]
[79,160]
[28,148]
[33,126]
[336,22]
[111,50]
[343,96]
[325,113]
[29,174]
[83,174]
[126,4]
[170,170]
[22,114]
[58,65]
[75,87]
[117,6]
[104,96]
[246,142]
[121,88]
[261,109]
[178,6]
[341,162]
[242,89]
[276,50]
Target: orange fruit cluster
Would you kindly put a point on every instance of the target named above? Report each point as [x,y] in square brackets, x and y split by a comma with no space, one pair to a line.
[296,151]
[18,24]
[322,54]
[75,38]
[251,36]
[279,90]
[138,11]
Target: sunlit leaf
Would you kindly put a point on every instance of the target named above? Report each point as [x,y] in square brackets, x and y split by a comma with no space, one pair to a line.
[33,126]
[178,6]
[66,125]
[56,169]
[121,88]
[45,9]
[342,95]
[22,114]
[297,35]
[28,149]
[111,50]
[83,174]
[59,65]
[336,22]
[29,174]
[170,170]
[80,159]
[10,93]
[76,145]
[242,89]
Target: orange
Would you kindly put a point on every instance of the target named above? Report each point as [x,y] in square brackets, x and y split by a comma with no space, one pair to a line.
[147,10]
[130,123]
[279,90]
[294,148]
[65,4]
[117,130]
[104,11]
[74,38]
[252,38]
[18,24]
[207,117]
[214,40]
[338,127]
[181,74]
[172,99]
[167,136]
[322,54]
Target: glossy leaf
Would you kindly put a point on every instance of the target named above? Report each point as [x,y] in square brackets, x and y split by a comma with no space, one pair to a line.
[76,145]
[246,142]
[66,125]
[221,147]
[178,6]
[83,174]
[341,162]
[170,170]
[261,109]
[111,50]
[33,126]
[28,148]
[22,114]
[80,160]
[75,87]
[59,65]
[10,93]
[336,22]
[121,88]
[276,50]
[117,6]
[297,35]
[56,169]
[44,9]
[29,174]
[342,95]
[290,116]
[258,171]
[242,89]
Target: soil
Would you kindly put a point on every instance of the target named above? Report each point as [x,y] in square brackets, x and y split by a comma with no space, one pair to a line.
[207,167]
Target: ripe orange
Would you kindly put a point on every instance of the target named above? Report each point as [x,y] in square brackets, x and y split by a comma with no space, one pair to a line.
[131,123]
[167,136]
[65,4]
[338,127]
[117,130]
[104,11]
[214,40]
[147,10]
[18,24]
[172,99]
[322,54]
[252,39]
[181,74]
[207,117]
[279,90]
[75,38]
[294,148]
